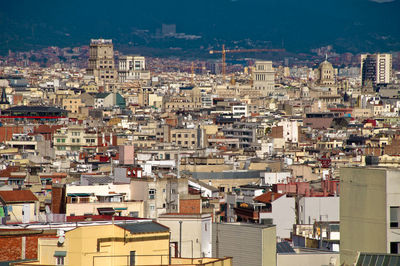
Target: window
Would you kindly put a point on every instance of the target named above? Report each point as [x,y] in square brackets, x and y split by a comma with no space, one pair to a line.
[394,247]
[134,214]
[152,193]
[394,217]
[59,260]
[152,207]
[132,261]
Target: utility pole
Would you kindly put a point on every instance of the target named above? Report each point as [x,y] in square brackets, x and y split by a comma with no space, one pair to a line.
[180,239]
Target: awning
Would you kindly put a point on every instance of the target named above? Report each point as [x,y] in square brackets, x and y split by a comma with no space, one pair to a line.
[120,208]
[78,194]
[106,211]
[60,253]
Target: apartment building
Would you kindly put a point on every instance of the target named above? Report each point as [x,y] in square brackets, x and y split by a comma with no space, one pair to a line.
[74,139]
[186,137]
[159,195]
[376,69]
[132,68]
[264,77]
[72,105]
[369,212]
[101,61]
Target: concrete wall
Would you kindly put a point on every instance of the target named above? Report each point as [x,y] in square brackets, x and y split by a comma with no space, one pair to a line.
[283,215]
[248,244]
[16,215]
[79,209]
[307,259]
[277,177]
[196,233]
[393,199]
[363,214]
[311,209]
[101,189]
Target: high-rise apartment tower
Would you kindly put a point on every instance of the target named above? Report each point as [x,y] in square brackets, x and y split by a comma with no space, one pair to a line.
[101,61]
[376,69]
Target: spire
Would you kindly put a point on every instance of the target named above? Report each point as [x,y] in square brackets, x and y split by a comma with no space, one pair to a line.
[326,57]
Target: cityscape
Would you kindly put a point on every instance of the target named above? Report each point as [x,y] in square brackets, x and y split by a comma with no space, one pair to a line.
[154,142]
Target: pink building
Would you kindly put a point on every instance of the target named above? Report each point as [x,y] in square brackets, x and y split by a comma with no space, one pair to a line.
[126,154]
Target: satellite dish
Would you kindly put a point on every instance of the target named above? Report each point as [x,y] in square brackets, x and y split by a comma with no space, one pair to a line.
[61,240]
[60,232]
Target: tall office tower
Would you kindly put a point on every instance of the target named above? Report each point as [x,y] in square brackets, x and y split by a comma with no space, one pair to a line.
[132,68]
[101,61]
[264,77]
[376,69]
[369,212]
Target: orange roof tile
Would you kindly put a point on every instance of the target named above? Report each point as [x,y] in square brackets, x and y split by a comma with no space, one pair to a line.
[17,196]
[268,197]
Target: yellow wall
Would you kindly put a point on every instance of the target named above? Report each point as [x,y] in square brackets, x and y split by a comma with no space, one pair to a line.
[46,249]
[82,246]
[269,247]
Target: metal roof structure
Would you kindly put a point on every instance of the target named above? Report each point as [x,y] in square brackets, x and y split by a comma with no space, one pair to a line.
[284,247]
[375,259]
[144,227]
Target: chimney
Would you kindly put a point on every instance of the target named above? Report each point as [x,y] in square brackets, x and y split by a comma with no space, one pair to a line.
[58,199]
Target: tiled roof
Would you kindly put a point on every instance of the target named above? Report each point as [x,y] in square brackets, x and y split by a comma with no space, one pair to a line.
[17,196]
[7,172]
[268,197]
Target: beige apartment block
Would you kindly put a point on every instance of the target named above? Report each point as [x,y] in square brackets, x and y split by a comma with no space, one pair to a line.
[369,212]
[185,137]
[72,105]
[101,61]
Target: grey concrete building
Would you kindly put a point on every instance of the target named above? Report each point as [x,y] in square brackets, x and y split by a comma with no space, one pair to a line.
[314,209]
[369,212]
[248,244]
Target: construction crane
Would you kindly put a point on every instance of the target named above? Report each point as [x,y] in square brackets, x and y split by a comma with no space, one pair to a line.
[225,51]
